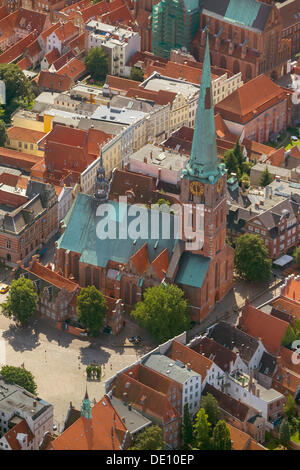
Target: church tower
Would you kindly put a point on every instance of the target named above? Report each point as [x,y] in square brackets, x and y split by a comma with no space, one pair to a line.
[86,408]
[203,179]
[203,188]
[101,184]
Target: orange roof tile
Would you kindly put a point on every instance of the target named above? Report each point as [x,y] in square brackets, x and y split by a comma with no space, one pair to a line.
[34,48]
[24,63]
[105,431]
[66,31]
[24,135]
[240,439]
[119,15]
[161,97]
[161,263]
[144,398]
[52,56]
[140,259]
[49,31]
[15,159]
[20,428]
[15,51]
[74,69]
[78,44]
[122,84]
[198,363]
[261,325]
[251,99]
[52,277]
[69,10]
[54,81]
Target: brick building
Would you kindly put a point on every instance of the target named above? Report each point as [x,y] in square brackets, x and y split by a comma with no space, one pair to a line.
[28,219]
[289,12]
[258,110]
[245,36]
[125,268]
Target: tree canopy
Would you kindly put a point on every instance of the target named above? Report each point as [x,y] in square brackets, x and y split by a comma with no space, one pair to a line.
[136,74]
[297,255]
[221,439]
[3,133]
[22,300]
[91,309]
[202,431]
[163,312]
[19,90]
[96,63]
[251,258]
[211,407]
[266,178]
[150,439]
[236,163]
[19,376]
[284,433]
[187,427]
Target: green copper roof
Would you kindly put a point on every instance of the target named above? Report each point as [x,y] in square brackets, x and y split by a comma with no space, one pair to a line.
[192,269]
[80,235]
[242,12]
[203,163]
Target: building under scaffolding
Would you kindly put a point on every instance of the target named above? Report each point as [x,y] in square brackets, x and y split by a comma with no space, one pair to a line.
[174,25]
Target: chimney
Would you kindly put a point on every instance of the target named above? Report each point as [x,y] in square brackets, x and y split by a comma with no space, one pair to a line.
[145,159]
[34,403]
[151,155]
[257,392]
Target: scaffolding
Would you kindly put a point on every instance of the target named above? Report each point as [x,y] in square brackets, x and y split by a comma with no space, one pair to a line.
[174,25]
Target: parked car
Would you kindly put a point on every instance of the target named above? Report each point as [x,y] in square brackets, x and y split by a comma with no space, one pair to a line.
[3,290]
[293,137]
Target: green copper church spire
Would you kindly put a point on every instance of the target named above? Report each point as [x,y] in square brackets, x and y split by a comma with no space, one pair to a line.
[203,163]
[86,409]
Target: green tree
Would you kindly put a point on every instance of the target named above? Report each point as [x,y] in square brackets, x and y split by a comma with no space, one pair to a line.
[19,90]
[187,428]
[211,407]
[231,163]
[245,178]
[3,134]
[221,439]
[284,433]
[96,63]
[91,309]
[290,409]
[238,152]
[19,376]
[251,258]
[22,300]
[150,439]
[289,337]
[266,178]
[136,74]
[202,431]
[297,255]
[163,312]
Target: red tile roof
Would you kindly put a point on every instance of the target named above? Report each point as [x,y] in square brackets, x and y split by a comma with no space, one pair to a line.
[24,135]
[144,398]
[74,69]
[69,10]
[52,56]
[15,51]
[251,99]
[20,428]
[49,31]
[52,277]
[122,84]
[34,49]
[54,81]
[78,44]
[24,63]
[161,97]
[216,352]
[259,324]
[105,431]
[119,15]
[63,60]
[15,159]
[161,264]
[140,259]
[66,31]
[31,20]
[198,363]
